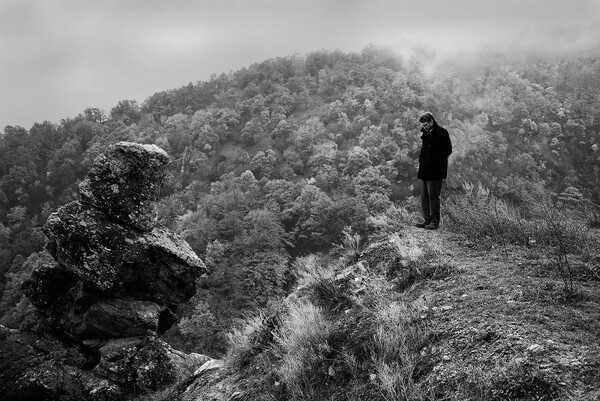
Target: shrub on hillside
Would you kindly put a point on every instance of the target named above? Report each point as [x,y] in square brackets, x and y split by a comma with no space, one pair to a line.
[558,228]
[405,257]
[479,214]
[564,230]
[343,333]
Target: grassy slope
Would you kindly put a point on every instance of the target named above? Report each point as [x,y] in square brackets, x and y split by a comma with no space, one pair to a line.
[509,333]
[493,325]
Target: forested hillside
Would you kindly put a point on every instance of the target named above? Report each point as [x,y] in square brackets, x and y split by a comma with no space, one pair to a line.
[271,162]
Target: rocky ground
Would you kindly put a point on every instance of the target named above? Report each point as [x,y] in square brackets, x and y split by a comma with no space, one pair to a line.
[501,324]
[499,327]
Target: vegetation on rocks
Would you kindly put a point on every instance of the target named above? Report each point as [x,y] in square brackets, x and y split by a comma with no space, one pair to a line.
[435,316]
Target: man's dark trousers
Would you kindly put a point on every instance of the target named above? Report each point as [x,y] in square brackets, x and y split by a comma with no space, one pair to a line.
[430,200]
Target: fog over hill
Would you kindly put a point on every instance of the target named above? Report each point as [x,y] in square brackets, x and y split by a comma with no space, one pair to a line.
[60,57]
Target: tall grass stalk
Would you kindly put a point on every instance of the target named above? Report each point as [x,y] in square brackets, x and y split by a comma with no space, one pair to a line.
[352,245]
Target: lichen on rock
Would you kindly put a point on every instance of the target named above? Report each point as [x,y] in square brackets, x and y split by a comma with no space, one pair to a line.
[145,363]
[120,261]
[125,182]
[117,278]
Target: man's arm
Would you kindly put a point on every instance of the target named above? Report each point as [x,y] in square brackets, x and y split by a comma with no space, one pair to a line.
[447,144]
[444,145]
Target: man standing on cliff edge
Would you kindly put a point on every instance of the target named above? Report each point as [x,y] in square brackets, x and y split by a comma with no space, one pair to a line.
[433,168]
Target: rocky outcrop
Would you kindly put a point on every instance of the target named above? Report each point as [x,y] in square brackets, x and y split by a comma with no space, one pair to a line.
[120,261]
[145,363]
[115,286]
[118,274]
[37,366]
[125,182]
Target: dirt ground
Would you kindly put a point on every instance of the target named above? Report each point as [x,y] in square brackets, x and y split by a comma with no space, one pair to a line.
[502,328]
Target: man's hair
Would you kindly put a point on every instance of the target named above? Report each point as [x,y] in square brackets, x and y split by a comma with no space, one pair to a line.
[425,117]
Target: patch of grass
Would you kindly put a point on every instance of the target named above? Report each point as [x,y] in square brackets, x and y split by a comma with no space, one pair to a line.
[310,270]
[517,379]
[352,246]
[321,357]
[487,219]
[565,234]
[318,282]
[395,219]
[303,345]
[342,335]
[552,228]
[397,341]
[252,337]
[406,257]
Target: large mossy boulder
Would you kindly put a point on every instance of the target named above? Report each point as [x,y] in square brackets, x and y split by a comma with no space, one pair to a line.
[125,183]
[113,258]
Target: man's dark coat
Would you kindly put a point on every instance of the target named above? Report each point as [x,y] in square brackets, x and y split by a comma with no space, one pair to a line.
[433,159]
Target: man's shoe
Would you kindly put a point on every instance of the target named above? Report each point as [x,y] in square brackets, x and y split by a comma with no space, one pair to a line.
[431,226]
[423,225]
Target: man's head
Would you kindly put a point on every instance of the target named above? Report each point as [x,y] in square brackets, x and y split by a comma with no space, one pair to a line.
[427,120]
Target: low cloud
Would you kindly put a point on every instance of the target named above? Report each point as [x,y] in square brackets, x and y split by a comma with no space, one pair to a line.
[60,57]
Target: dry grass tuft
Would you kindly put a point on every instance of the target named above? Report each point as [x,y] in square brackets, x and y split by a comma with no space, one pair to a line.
[303,345]
[251,338]
[310,270]
[562,231]
[397,340]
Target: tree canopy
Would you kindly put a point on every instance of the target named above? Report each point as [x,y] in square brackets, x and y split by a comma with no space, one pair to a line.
[273,161]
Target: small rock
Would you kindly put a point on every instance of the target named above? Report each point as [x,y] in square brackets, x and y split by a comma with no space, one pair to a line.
[447,308]
[372,376]
[208,366]
[446,358]
[535,348]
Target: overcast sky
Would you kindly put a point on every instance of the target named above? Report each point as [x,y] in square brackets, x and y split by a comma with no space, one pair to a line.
[58,57]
